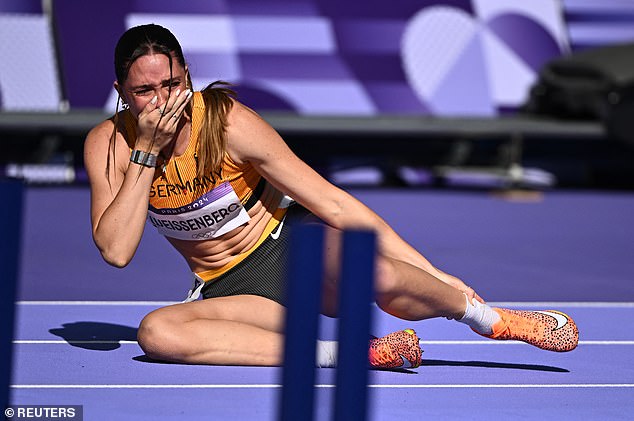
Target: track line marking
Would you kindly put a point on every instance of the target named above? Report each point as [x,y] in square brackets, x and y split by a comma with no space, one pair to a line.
[324,386]
[467,342]
[555,304]
[502,386]
[96,303]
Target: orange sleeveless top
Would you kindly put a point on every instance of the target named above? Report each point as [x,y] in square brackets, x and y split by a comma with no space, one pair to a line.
[188,207]
[178,185]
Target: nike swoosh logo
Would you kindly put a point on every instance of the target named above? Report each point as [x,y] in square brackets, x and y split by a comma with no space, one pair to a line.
[406,363]
[561,319]
[276,234]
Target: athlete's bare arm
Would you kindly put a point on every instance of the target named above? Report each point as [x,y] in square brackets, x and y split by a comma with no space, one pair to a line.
[252,139]
[119,200]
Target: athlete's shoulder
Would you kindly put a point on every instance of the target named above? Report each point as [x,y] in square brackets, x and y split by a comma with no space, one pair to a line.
[100,132]
[104,126]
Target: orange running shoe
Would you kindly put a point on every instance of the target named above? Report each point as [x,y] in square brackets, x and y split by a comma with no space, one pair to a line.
[550,330]
[397,350]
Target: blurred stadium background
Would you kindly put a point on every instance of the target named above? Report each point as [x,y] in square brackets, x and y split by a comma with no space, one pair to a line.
[421,93]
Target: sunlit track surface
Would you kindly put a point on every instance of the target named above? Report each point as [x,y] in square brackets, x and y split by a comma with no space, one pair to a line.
[86,353]
[75,341]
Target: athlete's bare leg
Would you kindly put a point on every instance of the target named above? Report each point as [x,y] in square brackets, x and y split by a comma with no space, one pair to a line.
[237,330]
[401,289]
[247,330]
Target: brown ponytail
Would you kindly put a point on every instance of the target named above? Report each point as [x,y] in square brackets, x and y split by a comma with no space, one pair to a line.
[213,136]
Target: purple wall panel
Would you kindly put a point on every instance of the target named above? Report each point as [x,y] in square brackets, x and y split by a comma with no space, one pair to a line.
[323,43]
[88,33]
[330,43]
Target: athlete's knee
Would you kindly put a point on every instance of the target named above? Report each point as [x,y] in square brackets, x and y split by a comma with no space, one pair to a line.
[149,335]
[158,338]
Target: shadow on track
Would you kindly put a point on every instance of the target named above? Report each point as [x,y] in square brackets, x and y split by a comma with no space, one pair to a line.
[489,364]
[96,336]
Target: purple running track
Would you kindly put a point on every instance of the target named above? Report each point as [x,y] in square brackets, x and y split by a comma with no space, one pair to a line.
[574,248]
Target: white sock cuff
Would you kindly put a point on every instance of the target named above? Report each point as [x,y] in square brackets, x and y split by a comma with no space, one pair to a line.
[326,356]
[480,317]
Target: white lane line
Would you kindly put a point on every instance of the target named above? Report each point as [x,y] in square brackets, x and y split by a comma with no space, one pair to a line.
[95,303]
[324,386]
[502,386]
[555,304]
[442,342]
[439,342]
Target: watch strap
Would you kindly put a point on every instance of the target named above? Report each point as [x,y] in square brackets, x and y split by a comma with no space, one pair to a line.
[143,158]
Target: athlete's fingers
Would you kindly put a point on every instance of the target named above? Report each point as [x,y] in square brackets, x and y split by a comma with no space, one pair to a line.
[174,102]
[149,107]
[181,101]
[471,294]
[179,107]
[188,95]
[167,107]
[477,297]
[149,118]
[160,122]
[167,111]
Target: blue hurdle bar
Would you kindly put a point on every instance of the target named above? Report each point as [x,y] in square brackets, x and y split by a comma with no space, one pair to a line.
[10,235]
[303,301]
[356,292]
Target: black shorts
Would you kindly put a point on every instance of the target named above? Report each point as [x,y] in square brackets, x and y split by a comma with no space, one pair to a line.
[263,272]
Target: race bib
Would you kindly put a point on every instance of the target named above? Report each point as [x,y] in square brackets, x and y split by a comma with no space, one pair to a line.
[211,215]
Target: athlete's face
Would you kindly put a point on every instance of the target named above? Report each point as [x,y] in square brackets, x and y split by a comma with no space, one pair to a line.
[149,76]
